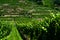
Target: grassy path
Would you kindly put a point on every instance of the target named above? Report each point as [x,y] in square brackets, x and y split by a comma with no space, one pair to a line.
[14,35]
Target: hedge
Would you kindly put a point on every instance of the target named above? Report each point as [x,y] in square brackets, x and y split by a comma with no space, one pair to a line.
[47,29]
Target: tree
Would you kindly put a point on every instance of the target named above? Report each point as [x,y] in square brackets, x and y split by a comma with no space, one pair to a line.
[49,3]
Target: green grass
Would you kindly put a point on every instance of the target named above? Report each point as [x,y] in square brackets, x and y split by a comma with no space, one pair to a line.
[14,35]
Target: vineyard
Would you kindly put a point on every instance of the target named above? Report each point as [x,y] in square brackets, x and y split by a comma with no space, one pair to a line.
[46,29]
[29,20]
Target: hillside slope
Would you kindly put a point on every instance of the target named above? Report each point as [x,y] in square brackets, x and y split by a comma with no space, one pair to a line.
[23,7]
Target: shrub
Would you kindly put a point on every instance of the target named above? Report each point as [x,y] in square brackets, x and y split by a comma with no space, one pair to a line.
[48,3]
[47,29]
[5,29]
